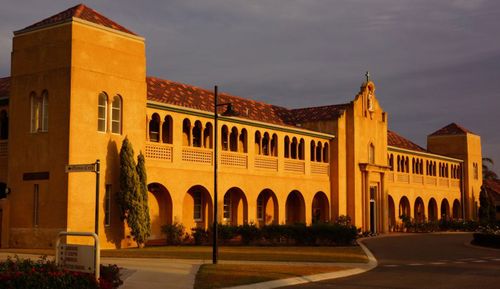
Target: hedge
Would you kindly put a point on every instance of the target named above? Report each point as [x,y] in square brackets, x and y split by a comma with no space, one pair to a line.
[44,273]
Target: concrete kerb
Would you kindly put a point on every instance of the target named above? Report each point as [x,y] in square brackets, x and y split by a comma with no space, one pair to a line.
[361,268]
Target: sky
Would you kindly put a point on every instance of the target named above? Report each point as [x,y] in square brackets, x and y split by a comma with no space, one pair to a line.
[433,62]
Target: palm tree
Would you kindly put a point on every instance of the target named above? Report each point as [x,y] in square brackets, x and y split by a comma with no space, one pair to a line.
[487,173]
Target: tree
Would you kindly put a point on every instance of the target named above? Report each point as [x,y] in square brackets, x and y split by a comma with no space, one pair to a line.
[487,212]
[130,198]
[143,181]
[488,174]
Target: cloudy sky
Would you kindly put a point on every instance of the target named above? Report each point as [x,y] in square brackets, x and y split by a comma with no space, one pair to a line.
[433,62]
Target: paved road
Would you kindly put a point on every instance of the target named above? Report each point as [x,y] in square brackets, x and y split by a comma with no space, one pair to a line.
[424,261]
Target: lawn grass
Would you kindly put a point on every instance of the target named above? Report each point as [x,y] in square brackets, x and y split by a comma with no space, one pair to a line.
[247,253]
[225,275]
[239,253]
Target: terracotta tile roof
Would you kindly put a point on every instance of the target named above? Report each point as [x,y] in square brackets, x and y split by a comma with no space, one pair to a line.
[79,11]
[328,112]
[394,139]
[180,94]
[451,129]
[493,188]
[4,86]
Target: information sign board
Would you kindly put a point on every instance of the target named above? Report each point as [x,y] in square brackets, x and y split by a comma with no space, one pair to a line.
[77,257]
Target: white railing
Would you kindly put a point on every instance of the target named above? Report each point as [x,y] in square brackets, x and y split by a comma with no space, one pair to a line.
[295,166]
[234,159]
[158,151]
[197,155]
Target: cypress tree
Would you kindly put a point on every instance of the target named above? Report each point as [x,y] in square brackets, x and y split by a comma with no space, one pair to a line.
[130,198]
[484,206]
[143,180]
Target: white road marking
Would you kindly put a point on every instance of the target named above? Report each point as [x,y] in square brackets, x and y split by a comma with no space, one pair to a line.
[415,264]
[459,262]
[437,263]
[391,266]
[479,261]
[496,259]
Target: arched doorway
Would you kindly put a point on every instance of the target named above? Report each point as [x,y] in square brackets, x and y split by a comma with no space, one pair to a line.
[267,208]
[419,213]
[433,210]
[295,208]
[160,209]
[392,213]
[320,208]
[445,210]
[235,207]
[197,208]
[457,214]
[404,207]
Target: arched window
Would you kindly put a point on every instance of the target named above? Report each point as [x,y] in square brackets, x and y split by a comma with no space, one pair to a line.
[301,149]
[313,150]
[319,151]
[224,138]
[4,125]
[233,140]
[274,145]
[371,154]
[186,132]
[227,206]
[166,130]
[197,206]
[154,128]
[287,147]
[325,153]
[257,143]
[102,112]
[407,165]
[399,164]
[265,144]
[116,115]
[197,129]
[294,148]
[207,135]
[243,141]
[39,112]
[391,161]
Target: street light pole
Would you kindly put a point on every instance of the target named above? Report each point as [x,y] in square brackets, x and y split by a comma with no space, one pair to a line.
[215,252]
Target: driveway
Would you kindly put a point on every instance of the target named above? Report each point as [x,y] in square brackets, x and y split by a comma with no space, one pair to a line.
[424,261]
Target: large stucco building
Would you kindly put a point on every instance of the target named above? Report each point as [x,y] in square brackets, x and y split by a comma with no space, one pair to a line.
[78,86]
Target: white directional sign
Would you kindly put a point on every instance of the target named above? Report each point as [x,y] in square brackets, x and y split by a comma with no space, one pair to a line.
[77,257]
[80,168]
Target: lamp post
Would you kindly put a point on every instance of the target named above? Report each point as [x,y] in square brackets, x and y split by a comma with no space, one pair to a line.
[229,112]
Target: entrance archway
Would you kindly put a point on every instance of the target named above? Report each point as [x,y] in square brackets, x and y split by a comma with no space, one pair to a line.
[457,214]
[197,208]
[320,208]
[445,210]
[235,207]
[433,211]
[267,208]
[419,210]
[404,207]
[392,213]
[295,208]
[160,209]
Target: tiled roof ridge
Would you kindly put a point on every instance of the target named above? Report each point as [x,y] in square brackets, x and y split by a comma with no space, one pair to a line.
[395,139]
[451,129]
[4,86]
[321,106]
[80,11]
[212,92]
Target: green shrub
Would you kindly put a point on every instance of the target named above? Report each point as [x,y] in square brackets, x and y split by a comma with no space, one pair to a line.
[226,232]
[249,233]
[174,233]
[43,273]
[200,236]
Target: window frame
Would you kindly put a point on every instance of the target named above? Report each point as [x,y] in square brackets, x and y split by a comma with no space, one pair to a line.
[106,112]
[118,112]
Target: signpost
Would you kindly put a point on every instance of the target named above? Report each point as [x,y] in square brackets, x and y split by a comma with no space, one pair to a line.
[81,258]
[96,168]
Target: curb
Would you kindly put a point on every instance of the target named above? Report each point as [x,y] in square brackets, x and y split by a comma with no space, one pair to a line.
[372,263]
